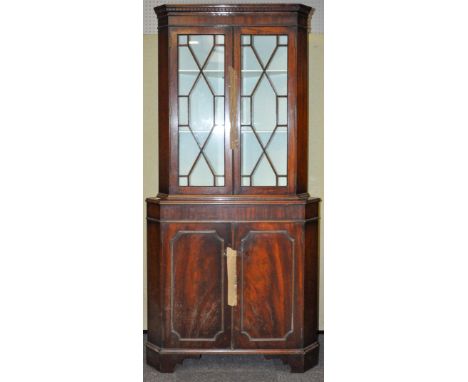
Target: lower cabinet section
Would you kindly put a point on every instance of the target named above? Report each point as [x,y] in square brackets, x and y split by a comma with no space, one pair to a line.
[188,288]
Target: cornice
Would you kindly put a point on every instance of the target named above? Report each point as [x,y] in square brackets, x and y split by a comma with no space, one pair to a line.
[167,9]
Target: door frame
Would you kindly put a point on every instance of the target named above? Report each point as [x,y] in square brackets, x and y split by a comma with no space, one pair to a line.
[292,88]
[173,95]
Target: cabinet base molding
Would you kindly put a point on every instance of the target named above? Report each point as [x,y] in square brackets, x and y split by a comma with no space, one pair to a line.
[165,360]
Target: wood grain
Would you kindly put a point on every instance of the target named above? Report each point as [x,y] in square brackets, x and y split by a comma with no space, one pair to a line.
[270,274]
[194,290]
[267,285]
[197,301]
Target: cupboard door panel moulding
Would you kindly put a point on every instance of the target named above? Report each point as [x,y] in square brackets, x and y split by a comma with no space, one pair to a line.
[229,271]
[195,289]
[269,267]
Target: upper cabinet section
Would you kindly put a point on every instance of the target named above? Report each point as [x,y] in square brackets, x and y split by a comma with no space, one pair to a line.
[233,99]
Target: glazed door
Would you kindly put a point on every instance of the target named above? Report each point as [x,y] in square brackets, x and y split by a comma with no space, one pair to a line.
[199,112]
[269,288]
[264,161]
[195,269]
[232,114]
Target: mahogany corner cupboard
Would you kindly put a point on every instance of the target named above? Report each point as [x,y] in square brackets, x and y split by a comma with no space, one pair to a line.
[233,234]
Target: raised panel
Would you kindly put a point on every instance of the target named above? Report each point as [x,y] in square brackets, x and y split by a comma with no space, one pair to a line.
[267,285]
[197,285]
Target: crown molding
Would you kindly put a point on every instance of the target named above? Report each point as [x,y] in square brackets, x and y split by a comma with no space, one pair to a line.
[168,9]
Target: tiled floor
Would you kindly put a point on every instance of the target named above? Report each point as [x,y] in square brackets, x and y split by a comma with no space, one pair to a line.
[235,369]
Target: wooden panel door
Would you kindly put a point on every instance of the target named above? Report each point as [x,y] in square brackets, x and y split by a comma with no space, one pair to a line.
[269,269]
[195,270]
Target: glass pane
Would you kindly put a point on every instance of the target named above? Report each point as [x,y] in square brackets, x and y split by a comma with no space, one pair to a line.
[278,151]
[201,136]
[264,137]
[264,46]
[183,111]
[216,60]
[245,111]
[219,112]
[216,82]
[282,110]
[201,174]
[214,70]
[277,70]
[279,62]
[220,39]
[282,181]
[251,156]
[201,46]
[201,106]
[186,60]
[188,151]
[188,71]
[280,82]
[201,110]
[186,81]
[251,70]
[264,107]
[264,174]
[214,150]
